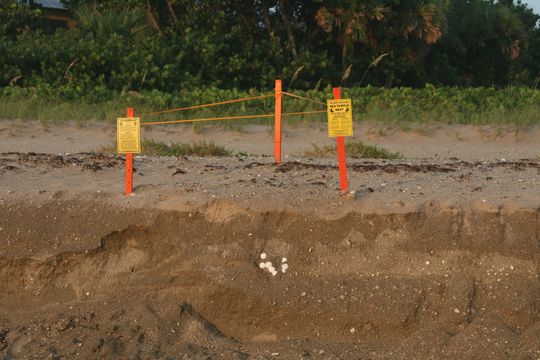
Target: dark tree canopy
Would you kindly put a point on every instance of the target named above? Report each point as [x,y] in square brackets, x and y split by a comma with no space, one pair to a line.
[172,44]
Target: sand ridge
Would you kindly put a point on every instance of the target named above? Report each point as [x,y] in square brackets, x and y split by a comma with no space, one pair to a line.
[428,258]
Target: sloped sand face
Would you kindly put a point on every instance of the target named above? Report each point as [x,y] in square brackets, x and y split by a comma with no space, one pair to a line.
[83,276]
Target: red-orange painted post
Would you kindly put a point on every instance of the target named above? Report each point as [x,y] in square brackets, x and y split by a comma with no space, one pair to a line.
[129,160]
[277,123]
[343,181]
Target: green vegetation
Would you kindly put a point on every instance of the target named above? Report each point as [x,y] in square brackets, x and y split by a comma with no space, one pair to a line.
[354,149]
[399,60]
[159,148]
[512,105]
[168,45]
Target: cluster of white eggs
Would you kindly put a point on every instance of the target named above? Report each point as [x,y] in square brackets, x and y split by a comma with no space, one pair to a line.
[270,267]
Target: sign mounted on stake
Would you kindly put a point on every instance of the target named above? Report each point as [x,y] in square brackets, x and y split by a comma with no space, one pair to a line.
[128,132]
[340,117]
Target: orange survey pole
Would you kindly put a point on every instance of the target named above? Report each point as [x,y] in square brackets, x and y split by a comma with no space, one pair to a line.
[277,123]
[129,160]
[343,181]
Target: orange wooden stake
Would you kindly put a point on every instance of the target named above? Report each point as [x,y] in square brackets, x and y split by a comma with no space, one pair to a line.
[129,160]
[277,123]
[343,181]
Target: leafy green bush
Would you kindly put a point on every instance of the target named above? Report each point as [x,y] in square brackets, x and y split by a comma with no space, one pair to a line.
[137,45]
[512,105]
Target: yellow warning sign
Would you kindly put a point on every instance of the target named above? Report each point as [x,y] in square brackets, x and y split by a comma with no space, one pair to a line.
[128,135]
[340,118]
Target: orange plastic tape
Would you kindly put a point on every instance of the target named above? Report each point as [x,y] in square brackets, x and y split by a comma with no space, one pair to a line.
[304,113]
[208,105]
[303,98]
[208,119]
[230,118]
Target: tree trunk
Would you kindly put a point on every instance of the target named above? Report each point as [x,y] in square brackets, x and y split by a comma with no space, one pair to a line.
[268,23]
[250,20]
[344,49]
[171,12]
[288,28]
[152,18]
[266,18]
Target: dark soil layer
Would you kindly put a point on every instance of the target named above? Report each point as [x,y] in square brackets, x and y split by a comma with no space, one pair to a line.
[80,278]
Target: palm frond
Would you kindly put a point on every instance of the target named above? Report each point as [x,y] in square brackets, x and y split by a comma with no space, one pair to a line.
[372,64]
[295,75]
[346,75]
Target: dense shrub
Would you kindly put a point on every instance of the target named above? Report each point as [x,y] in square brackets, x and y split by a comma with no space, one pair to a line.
[516,105]
[228,44]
